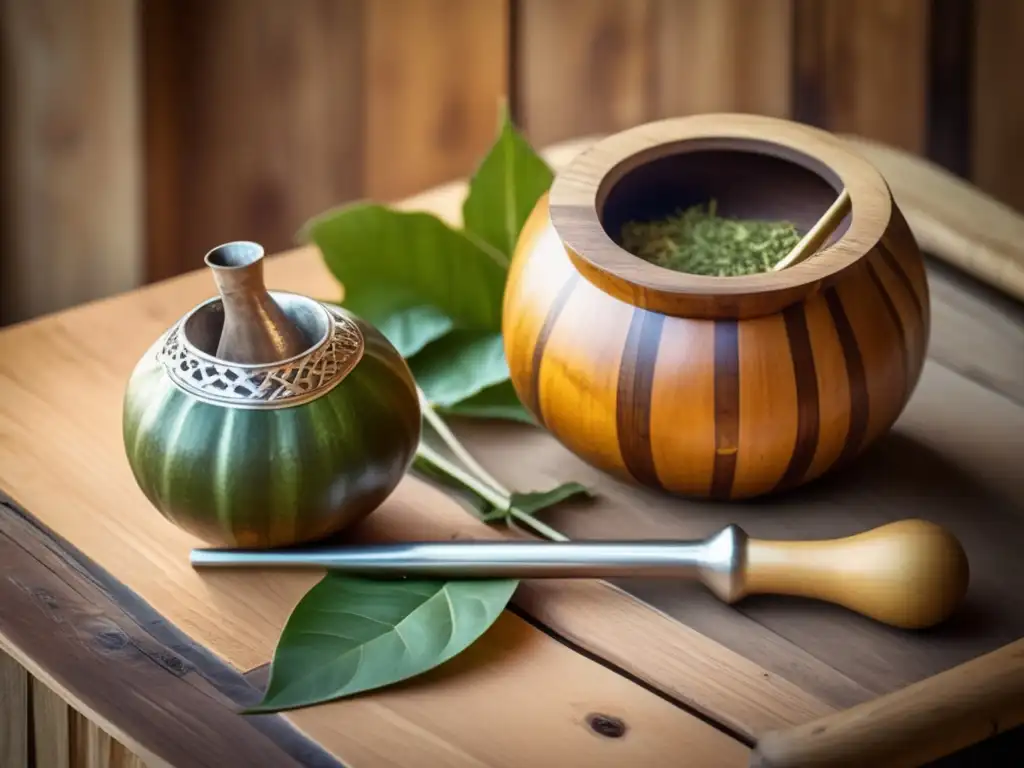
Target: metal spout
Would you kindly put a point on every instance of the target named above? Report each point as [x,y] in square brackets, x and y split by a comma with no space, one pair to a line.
[256,330]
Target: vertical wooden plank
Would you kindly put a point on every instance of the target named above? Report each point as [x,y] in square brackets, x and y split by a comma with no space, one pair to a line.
[51,728]
[14,709]
[950,84]
[163,29]
[862,68]
[998,164]
[723,56]
[92,747]
[69,153]
[436,71]
[584,67]
[254,123]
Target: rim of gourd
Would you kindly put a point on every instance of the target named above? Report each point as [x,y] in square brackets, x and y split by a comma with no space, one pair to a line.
[580,191]
[311,316]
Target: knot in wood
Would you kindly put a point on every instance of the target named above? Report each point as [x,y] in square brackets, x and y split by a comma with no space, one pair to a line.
[606,725]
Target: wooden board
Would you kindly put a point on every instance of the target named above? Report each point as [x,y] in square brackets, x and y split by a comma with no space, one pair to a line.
[435,74]
[862,68]
[582,67]
[999,115]
[71,172]
[259,115]
[763,666]
[240,133]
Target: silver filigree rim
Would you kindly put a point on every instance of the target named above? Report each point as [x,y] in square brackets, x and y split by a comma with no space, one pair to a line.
[342,346]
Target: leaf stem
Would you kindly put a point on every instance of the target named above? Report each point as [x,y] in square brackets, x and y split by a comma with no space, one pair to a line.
[538,526]
[456,446]
[491,495]
[498,499]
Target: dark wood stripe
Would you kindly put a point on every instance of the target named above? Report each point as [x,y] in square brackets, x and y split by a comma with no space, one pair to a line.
[542,341]
[110,652]
[633,399]
[727,406]
[808,406]
[893,263]
[809,92]
[514,20]
[951,30]
[859,405]
[894,315]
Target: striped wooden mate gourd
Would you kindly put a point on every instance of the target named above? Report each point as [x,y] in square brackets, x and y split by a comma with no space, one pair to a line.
[721,387]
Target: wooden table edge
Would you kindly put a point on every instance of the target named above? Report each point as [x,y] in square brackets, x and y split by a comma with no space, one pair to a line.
[45,574]
[919,723]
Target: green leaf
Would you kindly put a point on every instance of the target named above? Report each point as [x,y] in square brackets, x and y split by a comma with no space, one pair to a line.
[348,635]
[531,503]
[407,323]
[392,261]
[497,402]
[459,365]
[505,188]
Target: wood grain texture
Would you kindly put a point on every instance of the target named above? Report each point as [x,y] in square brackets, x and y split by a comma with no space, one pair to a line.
[435,72]
[14,711]
[583,66]
[770,661]
[240,617]
[70,184]
[952,54]
[998,116]
[953,219]
[254,121]
[910,573]
[721,56]
[862,68]
[94,748]
[128,674]
[924,466]
[51,722]
[913,726]
[598,367]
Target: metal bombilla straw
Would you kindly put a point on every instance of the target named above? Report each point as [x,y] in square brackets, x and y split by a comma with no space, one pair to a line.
[910,573]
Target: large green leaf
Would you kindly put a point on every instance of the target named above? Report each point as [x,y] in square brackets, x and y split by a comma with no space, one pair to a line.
[499,401]
[504,189]
[350,635]
[404,320]
[460,365]
[395,261]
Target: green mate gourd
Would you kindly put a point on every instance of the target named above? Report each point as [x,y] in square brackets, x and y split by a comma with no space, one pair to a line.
[263,419]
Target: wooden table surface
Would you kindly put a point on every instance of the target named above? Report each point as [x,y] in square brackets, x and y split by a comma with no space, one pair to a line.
[100,604]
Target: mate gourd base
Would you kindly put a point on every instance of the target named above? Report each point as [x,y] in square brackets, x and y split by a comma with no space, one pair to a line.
[721,387]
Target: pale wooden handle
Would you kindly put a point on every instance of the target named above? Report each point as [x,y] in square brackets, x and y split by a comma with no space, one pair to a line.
[912,726]
[909,574]
[951,218]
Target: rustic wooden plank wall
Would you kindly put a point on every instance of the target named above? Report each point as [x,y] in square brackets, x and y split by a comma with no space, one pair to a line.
[70,153]
[39,730]
[139,133]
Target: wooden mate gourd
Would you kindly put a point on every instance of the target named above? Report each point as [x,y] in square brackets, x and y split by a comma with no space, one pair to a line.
[723,387]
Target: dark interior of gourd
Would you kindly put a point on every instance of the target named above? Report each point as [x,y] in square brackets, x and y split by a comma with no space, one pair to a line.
[748,180]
